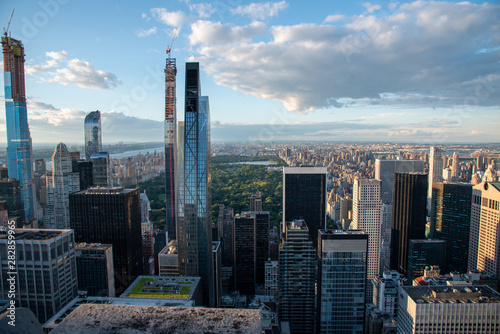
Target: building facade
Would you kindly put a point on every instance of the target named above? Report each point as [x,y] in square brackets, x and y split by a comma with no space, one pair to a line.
[100,169]
[60,183]
[304,197]
[271,283]
[385,169]
[450,221]
[19,145]
[194,231]
[111,216]
[385,292]
[96,275]
[342,269]
[484,242]
[10,192]
[297,278]
[408,215]
[435,172]
[424,253]
[46,277]
[366,216]
[93,134]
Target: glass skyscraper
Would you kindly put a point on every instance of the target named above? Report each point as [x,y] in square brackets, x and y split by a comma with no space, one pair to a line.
[19,146]
[92,130]
[194,232]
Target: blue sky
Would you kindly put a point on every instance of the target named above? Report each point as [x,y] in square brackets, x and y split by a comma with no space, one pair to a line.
[410,71]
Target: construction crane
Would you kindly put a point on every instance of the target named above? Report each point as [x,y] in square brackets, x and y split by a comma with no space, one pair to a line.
[6,30]
[169,47]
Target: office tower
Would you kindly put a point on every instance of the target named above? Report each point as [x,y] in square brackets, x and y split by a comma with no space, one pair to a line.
[424,253]
[262,220]
[85,172]
[304,197]
[408,215]
[217,260]
[366,210]
[225,220]
[4,173]
[60,183]
[170,147]
[19,146]
[455,168]
[385,292]
[385,237]
[271,281]
[480,163]
[92,131]
[385,169]
[297,278]
[484,242]
[100,169]
[342,268]
[10,191]
[345,208]
[46,270]
[450,221]
[111,216]
[168,260]
[444,309]
[96,275]
[244,254]
[194,225]
[160,241]
[256,202]
[435,172]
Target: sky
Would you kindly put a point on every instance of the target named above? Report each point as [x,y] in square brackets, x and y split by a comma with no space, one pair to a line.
[409,71]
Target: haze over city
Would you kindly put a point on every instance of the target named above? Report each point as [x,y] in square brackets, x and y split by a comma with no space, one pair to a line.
[410,71]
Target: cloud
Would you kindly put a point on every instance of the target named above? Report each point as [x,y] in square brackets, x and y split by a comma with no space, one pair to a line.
[260,11]
[53,62]
[83,74]
[370,8]
[216,33]
[476,133]
[144,33]
[145,16]
[334,18]
[422,53]
[204,10]
[173,19]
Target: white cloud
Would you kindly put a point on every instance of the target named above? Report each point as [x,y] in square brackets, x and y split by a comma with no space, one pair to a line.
[173,19]
[145,16]
[370,8]
[334,18]
[57,55]
[144,33]
[476,132]
[83,74]
[260,11]
[204,10]
[394,59]
[213,33]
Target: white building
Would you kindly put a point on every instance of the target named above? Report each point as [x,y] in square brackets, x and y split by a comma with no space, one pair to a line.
[271,276]
[366,210]
[444,309]
[385,292]
[484,242]
[60,183]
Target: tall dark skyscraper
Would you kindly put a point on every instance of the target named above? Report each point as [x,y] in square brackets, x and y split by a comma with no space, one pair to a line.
[408,215]
[19,146]
[195,204]
[170,147]
[93,135]
[111,216]
[304,197]
[450,221]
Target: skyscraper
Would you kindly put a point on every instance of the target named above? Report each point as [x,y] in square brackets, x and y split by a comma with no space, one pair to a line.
[424,253]
[342,260]
[194,231]
[366,210]
[435,172]
[92,132]
[45,270]
[455,168]
[484,244]
[385,169]
[19,146]
[408,215]
[94,263]
[297,271]
[100,169]
[450,221]
[60,183]
[304,197]
[10,191]
[170,147]
[244,254]
[111,216]
[256,202]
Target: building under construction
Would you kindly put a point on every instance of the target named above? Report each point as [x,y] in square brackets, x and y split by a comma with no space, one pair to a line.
[170,145]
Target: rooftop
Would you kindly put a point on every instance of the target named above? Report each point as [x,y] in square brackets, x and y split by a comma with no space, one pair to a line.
[341,232]
[164,287]
[96,319]
[94,246]
[452,294]
[34,234]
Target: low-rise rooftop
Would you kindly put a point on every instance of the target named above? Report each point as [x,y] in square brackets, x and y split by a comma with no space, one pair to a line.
[452,294]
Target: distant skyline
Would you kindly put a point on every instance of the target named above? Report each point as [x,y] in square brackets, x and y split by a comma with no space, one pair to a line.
[409,71]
